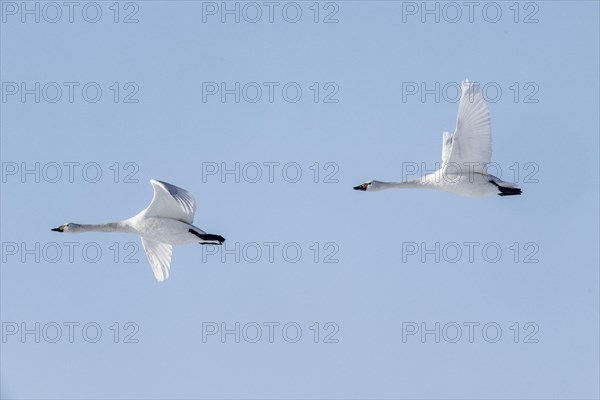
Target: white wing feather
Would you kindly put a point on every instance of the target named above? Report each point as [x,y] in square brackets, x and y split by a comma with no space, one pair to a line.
[159,256]
[471,142]
[446,147]
[170,201]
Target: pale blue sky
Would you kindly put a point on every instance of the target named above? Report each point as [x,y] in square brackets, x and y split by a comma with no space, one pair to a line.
[376,289]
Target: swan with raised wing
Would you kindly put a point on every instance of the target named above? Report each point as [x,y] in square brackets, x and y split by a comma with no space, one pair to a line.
[465,155]
[165,222]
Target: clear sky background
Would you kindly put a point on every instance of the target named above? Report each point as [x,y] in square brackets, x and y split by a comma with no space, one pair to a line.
[378,289]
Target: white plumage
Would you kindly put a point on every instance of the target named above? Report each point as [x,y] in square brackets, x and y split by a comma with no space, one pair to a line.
[472,139]
[165,222]
[465,155]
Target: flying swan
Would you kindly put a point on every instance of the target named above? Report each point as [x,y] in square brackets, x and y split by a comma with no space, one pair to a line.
[465,155]
[165,222]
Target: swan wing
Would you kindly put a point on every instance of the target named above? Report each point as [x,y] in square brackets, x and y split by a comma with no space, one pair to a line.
[471,142]
[446,146]
[170,201]
[159,256]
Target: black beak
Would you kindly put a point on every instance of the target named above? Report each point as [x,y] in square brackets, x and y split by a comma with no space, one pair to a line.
[360,187]
[56,229]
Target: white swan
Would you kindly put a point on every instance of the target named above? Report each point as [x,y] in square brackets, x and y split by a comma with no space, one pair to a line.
[165,222]
[465,155]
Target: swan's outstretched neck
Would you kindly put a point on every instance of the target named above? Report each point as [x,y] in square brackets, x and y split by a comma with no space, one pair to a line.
[119,226]
[414,184]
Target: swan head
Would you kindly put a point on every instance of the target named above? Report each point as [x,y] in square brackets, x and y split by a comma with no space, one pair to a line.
[68,227]
[364,186]
[369,186]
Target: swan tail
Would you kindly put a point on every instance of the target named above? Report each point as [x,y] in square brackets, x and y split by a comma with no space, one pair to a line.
[208,238]
[506,189]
